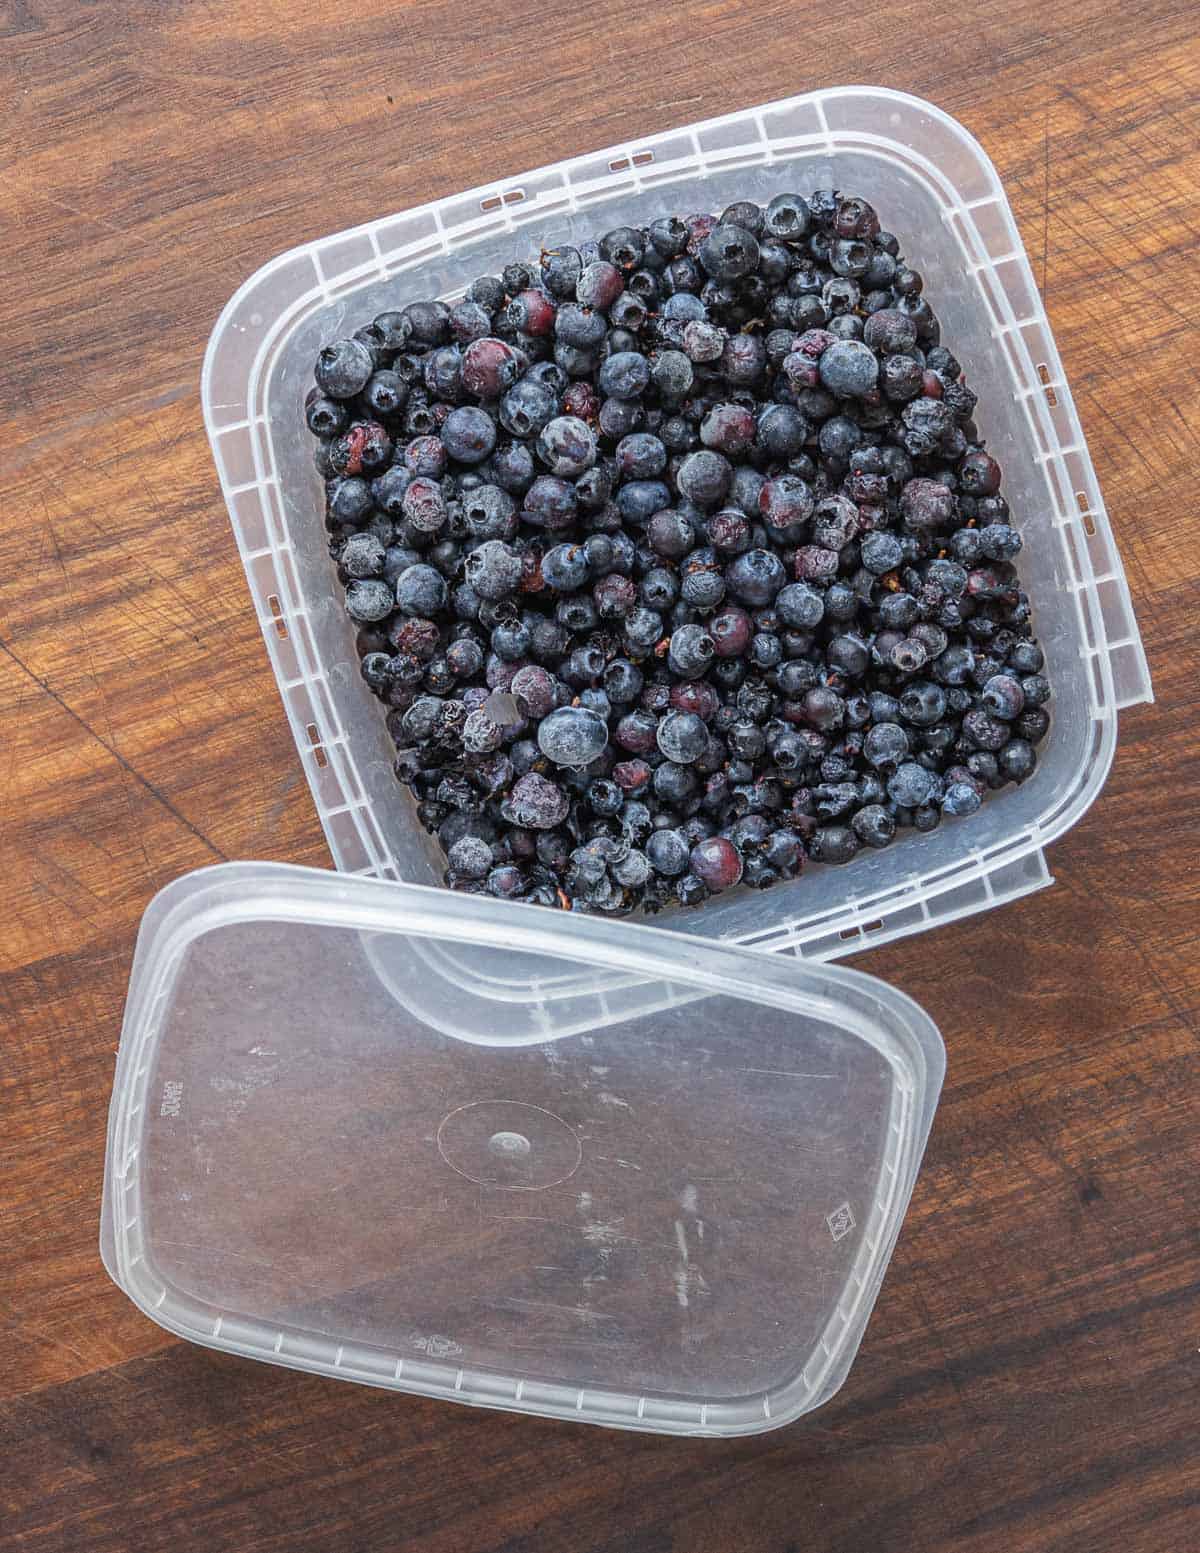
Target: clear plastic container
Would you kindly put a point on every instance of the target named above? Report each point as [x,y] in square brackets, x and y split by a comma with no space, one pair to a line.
[934,187]
[675,1219]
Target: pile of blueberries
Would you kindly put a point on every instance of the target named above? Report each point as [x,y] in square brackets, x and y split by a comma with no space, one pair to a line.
[677,559]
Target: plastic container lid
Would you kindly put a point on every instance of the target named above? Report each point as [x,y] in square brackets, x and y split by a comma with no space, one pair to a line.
[675,1219]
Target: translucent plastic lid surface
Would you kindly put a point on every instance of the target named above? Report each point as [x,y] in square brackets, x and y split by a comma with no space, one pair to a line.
[324,1153]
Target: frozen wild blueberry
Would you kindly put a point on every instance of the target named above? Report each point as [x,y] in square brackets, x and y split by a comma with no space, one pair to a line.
[489,366]
[873,825]
[493,569]
[800,606]
[848,369]
[729,428]
[566,446]
[470,858]
[910,785]
[886,745]
[369,599]
[420,591]
[703,477]
[675,558]
[565,568]
[682,737]
[1002,696]
[729,252]
[572,736]
[927,504]
[960,799]
[526,408]
[881,552]
[363,556]
[691,651]
[786,218]
[536,803]
[343,368]
[550,503]
[469,434]
[667,852]
[756,576]
[624,375]
[834,844]
[717,863]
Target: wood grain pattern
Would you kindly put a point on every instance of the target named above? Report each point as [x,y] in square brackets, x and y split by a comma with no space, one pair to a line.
[1028,1383]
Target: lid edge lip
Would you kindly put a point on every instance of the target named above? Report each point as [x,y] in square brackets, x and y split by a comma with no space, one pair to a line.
[538,930]
[767,1416]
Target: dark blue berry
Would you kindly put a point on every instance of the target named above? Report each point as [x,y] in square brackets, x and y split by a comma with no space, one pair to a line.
[566,446]
[1017,760]
[469,434]
[572,736]
[550,503]
[756,576]
[881,553]
[605,796]
[639,500]
[729,252]
[999,542]
[619,417]
[421,591]
[624,375]
[923,703]
[848,369]
[873,825]
[343,368]
[910,785]
[470,858]
[640,456]
[326,417]
[512,468]
[1026,658]
[1002,696]
[691,651]
[511,640]
[960,799]
[668,852]
[536,803]
[527,407]
[886,745]
[682,737]
[702,589]
[786,218]
[561,268]
[1034,687]
[565,568]
[984,731]
[493,569]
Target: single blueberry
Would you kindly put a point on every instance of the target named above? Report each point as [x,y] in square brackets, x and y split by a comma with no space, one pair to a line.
[572,736]
[848,369]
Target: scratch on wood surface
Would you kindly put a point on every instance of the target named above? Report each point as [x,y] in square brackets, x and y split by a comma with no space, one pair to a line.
[1123,434]
[104,743]
[98,683]
[52,439]
[20,1325]
[84,215]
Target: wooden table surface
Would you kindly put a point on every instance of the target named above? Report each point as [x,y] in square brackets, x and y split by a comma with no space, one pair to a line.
[1030,1382]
